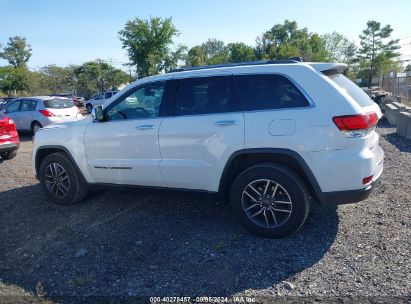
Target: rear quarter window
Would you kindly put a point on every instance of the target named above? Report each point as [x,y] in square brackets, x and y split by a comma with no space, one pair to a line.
[58,103]
[352,90]
[268,91]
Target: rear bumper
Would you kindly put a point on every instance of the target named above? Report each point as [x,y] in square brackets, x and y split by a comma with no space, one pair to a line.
[346,197]
[9,147]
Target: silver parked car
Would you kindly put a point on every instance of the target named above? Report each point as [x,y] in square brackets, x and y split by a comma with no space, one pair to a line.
[33,113]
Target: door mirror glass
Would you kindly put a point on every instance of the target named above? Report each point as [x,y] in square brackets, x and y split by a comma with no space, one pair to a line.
[97,113]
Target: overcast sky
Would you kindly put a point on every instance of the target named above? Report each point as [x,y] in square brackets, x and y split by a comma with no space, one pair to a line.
[73,31]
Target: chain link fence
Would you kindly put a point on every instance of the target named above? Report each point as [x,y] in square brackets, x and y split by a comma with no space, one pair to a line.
[399,85]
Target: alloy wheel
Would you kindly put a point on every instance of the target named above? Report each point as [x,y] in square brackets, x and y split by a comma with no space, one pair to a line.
[57,180]
[266,203]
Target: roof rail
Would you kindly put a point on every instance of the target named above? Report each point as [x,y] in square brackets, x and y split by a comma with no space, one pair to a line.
[226,65]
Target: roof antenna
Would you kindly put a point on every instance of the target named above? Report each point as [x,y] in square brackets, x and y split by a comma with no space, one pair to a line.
[299,59]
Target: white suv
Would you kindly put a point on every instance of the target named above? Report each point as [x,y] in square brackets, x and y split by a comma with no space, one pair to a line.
[267,135]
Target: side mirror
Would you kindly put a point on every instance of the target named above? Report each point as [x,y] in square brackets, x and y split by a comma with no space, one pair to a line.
[97,113]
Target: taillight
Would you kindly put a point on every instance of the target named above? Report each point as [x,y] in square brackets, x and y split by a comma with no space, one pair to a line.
[11,126]
[46,113]
[356,125]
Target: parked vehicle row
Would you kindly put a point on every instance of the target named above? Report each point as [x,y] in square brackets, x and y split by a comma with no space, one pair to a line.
[98,99]
[267,135]
[33,113]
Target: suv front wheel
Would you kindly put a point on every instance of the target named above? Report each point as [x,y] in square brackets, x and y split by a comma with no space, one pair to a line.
[270,200]
[60,180]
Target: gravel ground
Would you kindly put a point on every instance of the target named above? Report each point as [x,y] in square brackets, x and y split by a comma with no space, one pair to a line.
[137,244]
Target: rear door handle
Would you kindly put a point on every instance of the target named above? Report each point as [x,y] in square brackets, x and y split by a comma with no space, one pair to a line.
[225,122]
[145,127]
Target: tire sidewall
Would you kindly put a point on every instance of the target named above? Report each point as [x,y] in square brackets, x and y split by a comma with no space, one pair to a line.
[73,177]
[289,181]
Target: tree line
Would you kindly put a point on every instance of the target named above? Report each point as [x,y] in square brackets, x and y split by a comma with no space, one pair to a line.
[150,46]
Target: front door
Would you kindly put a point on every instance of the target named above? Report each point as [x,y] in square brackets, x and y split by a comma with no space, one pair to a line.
[13,112]
[208,127]
[124,149]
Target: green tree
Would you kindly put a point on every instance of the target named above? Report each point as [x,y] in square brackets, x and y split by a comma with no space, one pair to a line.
[17,52]
[96,76]
[339,48]
[13,80]
[240,52]
[58,79]
[286,40]
[212,51]
[148,44]
[376,47]
[408,68]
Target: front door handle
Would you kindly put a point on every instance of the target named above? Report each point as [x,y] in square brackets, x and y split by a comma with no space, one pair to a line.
[145,127]
[225,122]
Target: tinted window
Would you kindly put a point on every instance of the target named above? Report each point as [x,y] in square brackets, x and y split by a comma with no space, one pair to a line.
[58,103]
[263,92]
[28,105]
[352,89]
[144,102]
[13,107]
[205,95]
[108,95]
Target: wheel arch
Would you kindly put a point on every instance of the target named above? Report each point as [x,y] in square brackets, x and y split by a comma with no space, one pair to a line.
[243,159]
[43,151]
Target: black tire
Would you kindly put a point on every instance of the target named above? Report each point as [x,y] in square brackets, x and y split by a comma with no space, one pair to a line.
[89,108]
[9,155]
[77,185]
[287,222]
[34,125]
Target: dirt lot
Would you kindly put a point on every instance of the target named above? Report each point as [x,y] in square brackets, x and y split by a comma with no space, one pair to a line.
[135,244]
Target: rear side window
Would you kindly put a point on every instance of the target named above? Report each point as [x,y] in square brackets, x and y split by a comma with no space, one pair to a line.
[28,105]
[58,103]
[205,96]
[265,92]
[352,89]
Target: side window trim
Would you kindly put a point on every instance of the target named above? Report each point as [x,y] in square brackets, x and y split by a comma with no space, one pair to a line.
[234,94]
[296,84]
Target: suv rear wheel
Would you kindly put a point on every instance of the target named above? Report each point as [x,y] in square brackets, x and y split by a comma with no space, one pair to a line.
[61,181]
[270,200]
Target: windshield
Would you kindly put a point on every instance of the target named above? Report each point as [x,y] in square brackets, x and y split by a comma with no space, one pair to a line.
[352,89]
[58,103]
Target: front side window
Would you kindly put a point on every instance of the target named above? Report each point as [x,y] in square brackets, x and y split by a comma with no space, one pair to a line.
[13,107]
[144,102]
[205,95]
[268,91]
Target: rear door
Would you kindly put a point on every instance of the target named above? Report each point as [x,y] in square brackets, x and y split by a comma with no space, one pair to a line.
[207,127]
[27,109]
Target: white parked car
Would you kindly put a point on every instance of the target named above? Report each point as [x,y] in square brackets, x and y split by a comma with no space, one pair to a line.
[33,113]
[267,135]
[98,99]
